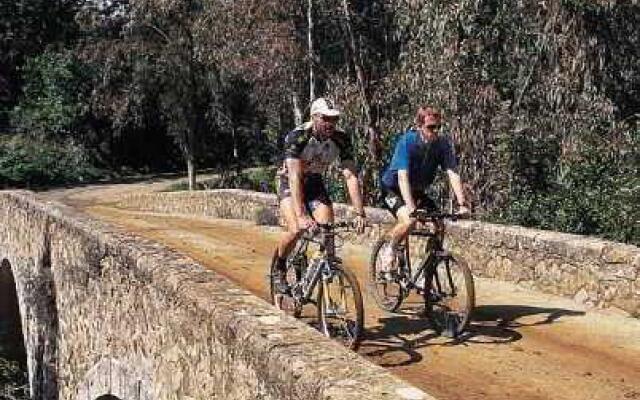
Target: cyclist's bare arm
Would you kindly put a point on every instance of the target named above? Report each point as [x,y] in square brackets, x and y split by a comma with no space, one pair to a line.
[405,190]
[456,185]
[353,186]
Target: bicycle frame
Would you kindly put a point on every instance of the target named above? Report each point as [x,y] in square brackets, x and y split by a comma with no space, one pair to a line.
[433,245]
[319,266]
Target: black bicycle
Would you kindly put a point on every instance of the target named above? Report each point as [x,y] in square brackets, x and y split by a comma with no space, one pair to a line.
[317,277]
[445,281]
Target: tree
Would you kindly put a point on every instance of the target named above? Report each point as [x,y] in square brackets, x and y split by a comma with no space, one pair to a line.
[53,102]
[26,28]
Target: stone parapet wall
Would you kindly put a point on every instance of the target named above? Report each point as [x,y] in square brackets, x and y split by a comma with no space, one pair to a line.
[594,272]
[107,312]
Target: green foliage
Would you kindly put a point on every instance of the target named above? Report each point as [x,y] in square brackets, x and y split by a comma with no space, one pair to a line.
[262,179]
[257,179]
[594,192]
[53,95]
[28,162]
[540,98]
[27,27]
[13,381]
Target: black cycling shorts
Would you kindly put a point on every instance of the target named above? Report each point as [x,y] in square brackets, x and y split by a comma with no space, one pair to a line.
[314,191]
[392,201]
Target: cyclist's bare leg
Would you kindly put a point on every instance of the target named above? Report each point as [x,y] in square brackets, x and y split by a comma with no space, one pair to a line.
[323,214]
[286,243]
[403,227]
[288,239]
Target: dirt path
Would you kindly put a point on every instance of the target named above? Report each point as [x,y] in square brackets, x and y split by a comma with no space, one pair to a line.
[521,345]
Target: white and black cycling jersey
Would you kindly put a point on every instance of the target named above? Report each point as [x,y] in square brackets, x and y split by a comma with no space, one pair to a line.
[315,153]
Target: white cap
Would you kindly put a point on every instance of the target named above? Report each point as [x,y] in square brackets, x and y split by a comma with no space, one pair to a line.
[324,107]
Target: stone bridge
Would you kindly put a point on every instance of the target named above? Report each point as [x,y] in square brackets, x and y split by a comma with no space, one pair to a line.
[107,315]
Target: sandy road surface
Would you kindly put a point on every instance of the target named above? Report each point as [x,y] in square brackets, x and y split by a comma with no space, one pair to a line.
[521,345]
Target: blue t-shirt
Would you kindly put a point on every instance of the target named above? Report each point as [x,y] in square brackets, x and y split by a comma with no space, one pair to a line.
[420,158]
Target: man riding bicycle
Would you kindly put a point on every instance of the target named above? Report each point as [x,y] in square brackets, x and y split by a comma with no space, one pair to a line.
[417,155]
[308,151]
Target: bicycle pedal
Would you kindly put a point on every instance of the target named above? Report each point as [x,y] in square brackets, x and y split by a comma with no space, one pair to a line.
[404,284]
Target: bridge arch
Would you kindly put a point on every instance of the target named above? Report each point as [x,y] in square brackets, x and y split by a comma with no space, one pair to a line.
[28,298]
[12,346]
[114,379]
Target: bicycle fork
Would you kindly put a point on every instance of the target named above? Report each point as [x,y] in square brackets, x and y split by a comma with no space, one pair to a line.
[311,278]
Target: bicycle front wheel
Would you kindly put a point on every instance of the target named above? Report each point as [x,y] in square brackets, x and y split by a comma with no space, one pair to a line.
[286,302]
[450,299]
[340,309]
[384,286]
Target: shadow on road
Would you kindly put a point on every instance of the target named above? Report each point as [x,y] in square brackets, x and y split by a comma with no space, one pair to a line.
[509,315]
[397,339]
[499,323]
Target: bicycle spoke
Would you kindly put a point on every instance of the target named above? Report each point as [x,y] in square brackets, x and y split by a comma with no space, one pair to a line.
[341,309]
[384,284]
[452,298]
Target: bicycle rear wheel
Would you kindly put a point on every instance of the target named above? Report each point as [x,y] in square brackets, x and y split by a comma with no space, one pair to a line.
[286,302]
[385,288]
[340,309]
[451,297]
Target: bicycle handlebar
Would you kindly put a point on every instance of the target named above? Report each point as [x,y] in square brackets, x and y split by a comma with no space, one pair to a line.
[311,234]
[337,225]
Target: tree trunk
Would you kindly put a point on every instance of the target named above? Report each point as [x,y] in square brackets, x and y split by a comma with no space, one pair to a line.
[297,111]
[191,171]
[235,144]
[312,82]
[371,132]
[363,88]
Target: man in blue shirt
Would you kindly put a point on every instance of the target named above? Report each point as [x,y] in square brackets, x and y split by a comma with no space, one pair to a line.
[417,155]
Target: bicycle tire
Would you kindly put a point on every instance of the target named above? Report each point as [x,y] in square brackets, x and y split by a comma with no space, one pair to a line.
[440,303]
[345,278]
[388,301]
[293,275]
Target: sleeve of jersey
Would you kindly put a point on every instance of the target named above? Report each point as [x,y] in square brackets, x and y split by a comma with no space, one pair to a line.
[400,159]
[294,143]
[449,160]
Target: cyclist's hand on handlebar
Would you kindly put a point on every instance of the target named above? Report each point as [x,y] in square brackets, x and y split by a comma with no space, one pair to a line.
[412,212]
[305,222]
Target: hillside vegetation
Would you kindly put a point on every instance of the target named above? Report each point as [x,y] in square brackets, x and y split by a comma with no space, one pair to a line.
[541,98]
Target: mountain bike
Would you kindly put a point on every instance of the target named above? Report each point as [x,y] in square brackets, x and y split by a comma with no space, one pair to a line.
[445,281]
[322,280]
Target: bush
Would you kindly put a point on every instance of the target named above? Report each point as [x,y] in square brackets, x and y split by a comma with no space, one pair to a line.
[256,179]
[53,95]
[595,191]
[28,162]
[13,381]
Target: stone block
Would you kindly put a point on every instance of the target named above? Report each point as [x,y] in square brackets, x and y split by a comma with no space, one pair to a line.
[615,253]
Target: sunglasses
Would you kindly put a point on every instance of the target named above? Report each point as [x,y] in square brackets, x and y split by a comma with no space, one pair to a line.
[327,118]
[433,127]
